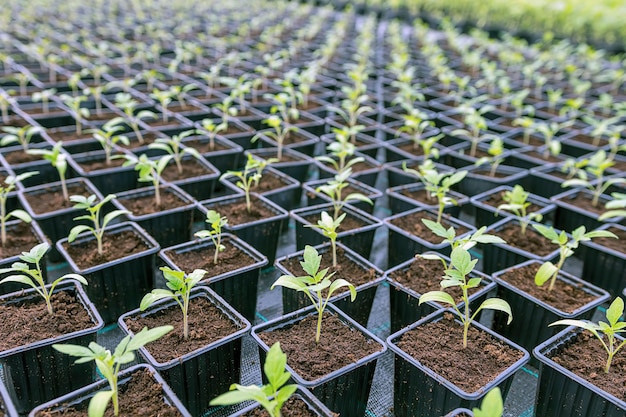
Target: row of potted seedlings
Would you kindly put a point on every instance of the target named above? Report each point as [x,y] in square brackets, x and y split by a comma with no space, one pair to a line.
[433,123]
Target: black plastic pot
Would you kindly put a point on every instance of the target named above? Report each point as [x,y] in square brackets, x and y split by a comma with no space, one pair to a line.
[168,227]
[199,187]
[315,406]
[400,202]
[367,175]
[404,307]
[562,393]
[460,412]
[262,234]
[81,397]
[544,183]
[297,165]
[36,373]
[223,159]
[238,287]
[199,376]
[6,404]
[359,309]
[344,391]
[569,216]
[107,180]
[604,266]
[420,392]
[532,316]
[314,197]
[478,179]
[360,240]
[117,286]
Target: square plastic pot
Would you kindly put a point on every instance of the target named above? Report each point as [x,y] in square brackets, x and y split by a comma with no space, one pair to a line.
[314,197]
[314,405]
[399,202]
[603,266]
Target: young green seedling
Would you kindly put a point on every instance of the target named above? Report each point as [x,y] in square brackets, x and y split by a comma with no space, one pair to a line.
[415,123]
[315,283]
[249,177]
[109,364]
[58,159]
[279,134]
[473,118]
[334,189]
[107,137]
[614,327]
[11,183]
[615,207]
[211,130]
[128,105]
[516,201]
[342,150]
[96,92]
[217,222]
[548,271]
[172,146]
[93,209]
[329,227]
[22,272]
[461,265]
[180,285]
[20,135]
[495,158]
[271,396]
[180,91]
[79,113]
[44,96]
[149,170]
[468,242]
[164,98]
[492,405]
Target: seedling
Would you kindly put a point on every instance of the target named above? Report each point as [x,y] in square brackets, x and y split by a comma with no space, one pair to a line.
[614,327]
[549,131]
[271,396]
[516,201]
[415,123]
[44,96]
[172,146]
[19,135]
[22,272]
[109,364]
[5,103]
[125,102]
[96,92]
[495,158]
[93,209]
[492,405]
[58,159]
[329,227]
[211,130]
[461,265]
[475,121]
[548,271]
[615,207]
[108,138]
[180,285]
[180,91]
[334,189]
[249,177]
[529,126]
[342,150]
[217,222]
[79,113]
[279,134]
[11,183]
[315,283]
[149,170]
[468,242]
[164,98]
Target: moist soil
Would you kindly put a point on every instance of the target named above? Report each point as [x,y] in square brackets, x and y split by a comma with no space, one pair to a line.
[143,205]
[230,259]
[583,202]
[586,357]
[27,321]
[439,347]
[339,346]
[269,182]
[191,169]
[344,192]
[294,407]
[204,146]
[285,157]
[207,324]
[115,246]
[495,200]
[531,241]
[141,396]
[346,268]
[148,138]
[20,238]
[51,199]
[59,135]
[293,138]
[615,244]
[100,163]
[422,195]
[20,157]
[349,222]
[358,167]
[564,296]
[412,223]
[409,147]
[237,212]
[541,156]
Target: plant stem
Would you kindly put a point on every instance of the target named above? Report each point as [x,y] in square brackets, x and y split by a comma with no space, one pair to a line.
[248,204]
[113,385]
[186,317]
[333,245]
[558,269]
[3,225]
[467,320]
[319,322]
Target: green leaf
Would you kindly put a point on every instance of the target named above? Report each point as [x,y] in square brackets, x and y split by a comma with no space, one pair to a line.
[340,283]
[600,233]
[497,304]
[547,232]
[437,297]
[146,336]
[312,260]
[285,393]
[289,281]
[274,366]
[615,310]
[491,406]
[99,403]
[20,214]
[74,350]
[238,395]
[544,273]
[462,260]
[21,279]
[76,230]
[152,298]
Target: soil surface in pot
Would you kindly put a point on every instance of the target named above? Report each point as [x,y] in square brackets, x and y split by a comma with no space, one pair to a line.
[51,199]
[230,259]
[204,146]
[115,246]
[148,138]
[269,182]
[615,244]
[141,396]
[439,346]
[423,196]
[237,211]
[207,323]
[346,268]
[20,238]
[100,164]
[344,192]
[349,222]
[142,205]
[564,296]
[583,202]
[541,156]
[28,321]
[586,357]
[191,169]
[294,407]
[20,157]
[339,345]
[531,241]
[413,224]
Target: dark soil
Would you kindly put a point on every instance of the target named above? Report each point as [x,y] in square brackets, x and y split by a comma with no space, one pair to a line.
[28,321]
[439,346]
[583,202]
[143,205]
[115,246]
[148,138]
[237,212]
[66,136]
[191,169]
[496,200]
[346,268]
[294,407]
[422,195]
[204,146]
[410,148]
[563,296]
[269,182]
[207,324]
[540,155]
[141,396]
[531,241]
[20,238]
[412,223]
[99,164]
[20,157]
[358,167]
[339,346]
[229,260]
[618,244]
[294,138]
[285,157]
[586,357]
[349,222]
[51,199]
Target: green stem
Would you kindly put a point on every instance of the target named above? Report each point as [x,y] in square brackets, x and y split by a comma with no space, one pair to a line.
[333,245]
[558,269]
[467,320]
[186,318]
[319,324]
[3,225]
[248,204]
[113,385]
